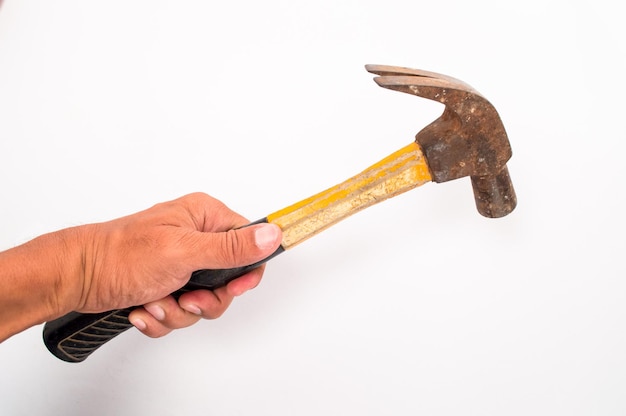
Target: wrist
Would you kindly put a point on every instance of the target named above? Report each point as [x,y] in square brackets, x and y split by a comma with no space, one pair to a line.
[67,248]
[40,280]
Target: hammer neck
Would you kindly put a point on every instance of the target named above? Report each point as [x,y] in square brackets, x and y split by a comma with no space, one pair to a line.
[399,172]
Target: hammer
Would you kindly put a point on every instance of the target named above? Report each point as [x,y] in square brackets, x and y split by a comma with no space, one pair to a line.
[468,139]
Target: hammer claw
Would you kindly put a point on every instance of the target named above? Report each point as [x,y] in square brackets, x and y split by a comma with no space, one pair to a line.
[419,77]
[385,70]
[431,88]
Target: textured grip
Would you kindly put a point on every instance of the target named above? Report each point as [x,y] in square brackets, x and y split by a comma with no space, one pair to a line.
[75,336]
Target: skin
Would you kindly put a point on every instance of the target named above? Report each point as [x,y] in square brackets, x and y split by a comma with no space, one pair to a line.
[134,260]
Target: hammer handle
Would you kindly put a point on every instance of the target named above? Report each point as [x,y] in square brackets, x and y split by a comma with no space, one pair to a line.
[75,336]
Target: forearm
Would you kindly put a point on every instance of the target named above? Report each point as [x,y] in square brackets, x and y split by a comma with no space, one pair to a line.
[32,280]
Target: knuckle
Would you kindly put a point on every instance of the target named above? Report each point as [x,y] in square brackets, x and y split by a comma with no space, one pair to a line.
[214,314]
[233,248]
[157,332]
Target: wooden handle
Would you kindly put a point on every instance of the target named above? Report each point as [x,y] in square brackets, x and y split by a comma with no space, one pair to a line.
[399,172]
[75,336]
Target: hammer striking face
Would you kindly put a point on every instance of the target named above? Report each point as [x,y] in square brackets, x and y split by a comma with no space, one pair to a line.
[468,139]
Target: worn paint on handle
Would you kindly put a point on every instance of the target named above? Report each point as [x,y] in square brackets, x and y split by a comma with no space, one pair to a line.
[397,173]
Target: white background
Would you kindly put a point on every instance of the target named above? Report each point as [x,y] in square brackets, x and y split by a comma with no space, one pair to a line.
[418,306]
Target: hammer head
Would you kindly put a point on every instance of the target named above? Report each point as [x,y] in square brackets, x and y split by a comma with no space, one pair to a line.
[468,139]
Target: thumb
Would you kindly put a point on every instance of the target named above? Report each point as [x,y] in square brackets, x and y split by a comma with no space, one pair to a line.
[239,247]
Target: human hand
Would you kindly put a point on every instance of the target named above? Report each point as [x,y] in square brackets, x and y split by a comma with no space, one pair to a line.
[142,258]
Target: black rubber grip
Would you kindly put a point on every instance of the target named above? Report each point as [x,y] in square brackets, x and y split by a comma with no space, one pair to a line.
[75,336]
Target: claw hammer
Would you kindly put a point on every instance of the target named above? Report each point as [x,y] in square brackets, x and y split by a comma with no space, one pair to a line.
[468,139]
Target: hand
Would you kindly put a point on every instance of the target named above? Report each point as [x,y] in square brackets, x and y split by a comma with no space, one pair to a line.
[135,260]
[142,258]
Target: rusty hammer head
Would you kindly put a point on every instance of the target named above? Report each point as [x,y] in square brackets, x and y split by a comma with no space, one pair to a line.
[468,139]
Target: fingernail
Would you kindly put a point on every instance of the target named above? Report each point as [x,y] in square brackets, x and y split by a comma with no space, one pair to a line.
[156,311]
[192,309]
[139,324]
[265,236]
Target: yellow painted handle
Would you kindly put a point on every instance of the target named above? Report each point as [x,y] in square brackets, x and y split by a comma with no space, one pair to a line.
[397,173]
[75,336]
